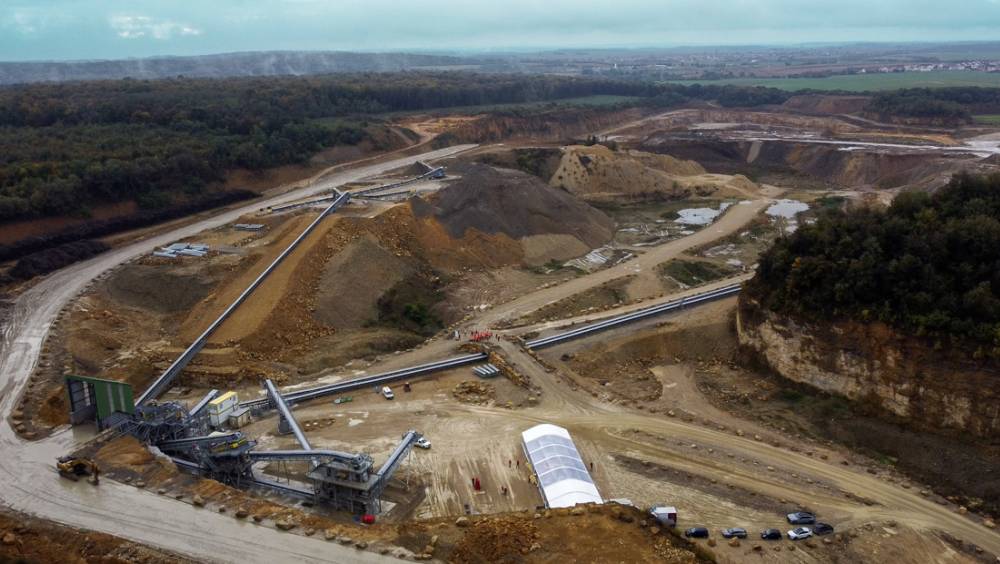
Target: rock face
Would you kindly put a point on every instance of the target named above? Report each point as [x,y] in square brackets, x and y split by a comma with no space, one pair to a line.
[904,376]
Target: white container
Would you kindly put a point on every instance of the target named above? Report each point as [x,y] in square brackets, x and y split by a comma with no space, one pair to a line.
[221,408]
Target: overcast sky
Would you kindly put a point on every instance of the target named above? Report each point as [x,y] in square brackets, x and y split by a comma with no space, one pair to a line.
[87,29]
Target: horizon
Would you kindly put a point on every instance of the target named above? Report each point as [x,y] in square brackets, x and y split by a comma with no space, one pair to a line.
[509,51]
[66,30]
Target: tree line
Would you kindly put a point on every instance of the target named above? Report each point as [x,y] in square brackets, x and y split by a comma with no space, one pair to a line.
[955,104]
[928,265]
[69,146]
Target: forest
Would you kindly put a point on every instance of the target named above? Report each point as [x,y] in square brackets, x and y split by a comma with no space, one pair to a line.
[927,265]
[69,146]
[956,104]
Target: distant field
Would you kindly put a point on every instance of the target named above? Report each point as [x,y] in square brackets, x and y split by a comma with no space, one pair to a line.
[867,82]
[993,119]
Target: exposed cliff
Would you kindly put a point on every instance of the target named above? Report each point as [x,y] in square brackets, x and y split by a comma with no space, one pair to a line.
[901,375]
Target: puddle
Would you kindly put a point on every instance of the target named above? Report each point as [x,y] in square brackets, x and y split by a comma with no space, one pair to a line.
[788,209]
[700,216]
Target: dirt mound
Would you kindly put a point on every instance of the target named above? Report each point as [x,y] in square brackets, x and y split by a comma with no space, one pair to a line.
[429,240]
[515,204]
[539,249]
[158,288]
[597,173]
[416,169]
[500,539]
[471,391]
[364,271]
[820,104]
[28,539]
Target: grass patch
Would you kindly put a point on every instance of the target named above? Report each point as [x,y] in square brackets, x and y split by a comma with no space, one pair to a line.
[830,203]
[694,273]
[866,82]
[988,119]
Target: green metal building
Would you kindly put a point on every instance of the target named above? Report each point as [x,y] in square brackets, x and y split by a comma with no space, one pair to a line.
[96,399]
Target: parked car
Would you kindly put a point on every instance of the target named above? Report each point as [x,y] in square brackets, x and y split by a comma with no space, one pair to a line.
[822,529]
[696,533]
[422,443]
[799,533]
[735,532]
[770,534]
[801,518]
[387,392]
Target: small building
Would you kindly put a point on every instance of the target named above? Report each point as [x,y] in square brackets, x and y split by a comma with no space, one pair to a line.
[240,417]
[562,476]
[96,399]
[665,515]
[221,408]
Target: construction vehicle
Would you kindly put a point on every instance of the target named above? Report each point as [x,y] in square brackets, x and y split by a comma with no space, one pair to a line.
[73,467]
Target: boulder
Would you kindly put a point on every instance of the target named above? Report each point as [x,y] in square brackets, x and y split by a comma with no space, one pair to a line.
[711,542]
[577,511]
[734,542]
[9,539]
[329,534]
[242,513]
[285,524]
[462,522]
[198,500]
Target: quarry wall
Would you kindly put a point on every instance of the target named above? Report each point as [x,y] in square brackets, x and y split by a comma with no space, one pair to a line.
[928,386]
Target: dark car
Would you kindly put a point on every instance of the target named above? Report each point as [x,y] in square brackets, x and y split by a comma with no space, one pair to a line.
[801,518]
[822,528]
[771,534]
[696,533]
[735,532]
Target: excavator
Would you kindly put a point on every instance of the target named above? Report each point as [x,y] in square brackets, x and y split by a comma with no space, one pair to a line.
[73,467]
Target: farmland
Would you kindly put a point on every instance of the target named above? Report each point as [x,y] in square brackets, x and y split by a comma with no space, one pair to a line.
[867,82]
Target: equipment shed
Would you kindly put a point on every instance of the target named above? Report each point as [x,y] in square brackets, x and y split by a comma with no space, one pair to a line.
[97,399]
[562,476]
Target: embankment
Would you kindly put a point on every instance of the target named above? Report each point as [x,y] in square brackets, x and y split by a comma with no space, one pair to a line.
[927,387]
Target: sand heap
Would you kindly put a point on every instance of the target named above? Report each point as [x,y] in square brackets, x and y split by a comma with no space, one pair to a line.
[597,173]
[549,223]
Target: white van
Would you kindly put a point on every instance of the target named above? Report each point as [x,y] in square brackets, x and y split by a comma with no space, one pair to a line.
[387,392]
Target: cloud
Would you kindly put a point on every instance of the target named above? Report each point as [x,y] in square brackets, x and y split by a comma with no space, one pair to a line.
[30,20]
[136,27]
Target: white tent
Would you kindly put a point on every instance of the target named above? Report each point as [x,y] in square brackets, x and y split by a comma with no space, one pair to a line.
[562,475]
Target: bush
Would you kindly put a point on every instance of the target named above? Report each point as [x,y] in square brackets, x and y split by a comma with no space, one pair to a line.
[46,261]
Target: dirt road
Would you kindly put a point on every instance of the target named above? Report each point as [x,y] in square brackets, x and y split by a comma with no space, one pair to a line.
[28,481]
[734,219]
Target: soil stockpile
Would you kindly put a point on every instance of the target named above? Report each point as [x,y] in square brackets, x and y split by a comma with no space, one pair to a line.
[354,280]
[513,203]
[161,289]
[597,173]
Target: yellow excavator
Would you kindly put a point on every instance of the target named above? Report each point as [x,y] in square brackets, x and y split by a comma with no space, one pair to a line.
[74,467]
